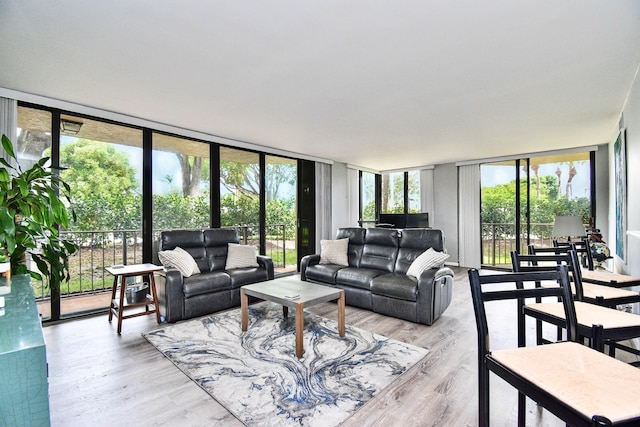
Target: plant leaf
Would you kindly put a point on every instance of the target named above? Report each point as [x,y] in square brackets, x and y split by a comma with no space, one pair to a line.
[8,146]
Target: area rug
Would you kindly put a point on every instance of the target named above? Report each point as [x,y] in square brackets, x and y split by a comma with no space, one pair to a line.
[256,376]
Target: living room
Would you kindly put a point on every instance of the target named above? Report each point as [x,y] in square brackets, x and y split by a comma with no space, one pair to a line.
[504,102]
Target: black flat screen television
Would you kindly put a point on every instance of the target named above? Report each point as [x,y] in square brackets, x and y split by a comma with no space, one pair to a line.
[412,220]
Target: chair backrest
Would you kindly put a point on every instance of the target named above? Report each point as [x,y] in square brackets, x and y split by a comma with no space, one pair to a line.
[540,259]
[582,247]
[480,294]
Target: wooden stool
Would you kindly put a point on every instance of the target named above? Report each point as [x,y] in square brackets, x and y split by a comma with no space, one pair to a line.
[118,305]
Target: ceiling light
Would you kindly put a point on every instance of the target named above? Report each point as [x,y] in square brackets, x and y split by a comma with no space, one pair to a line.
[70,127]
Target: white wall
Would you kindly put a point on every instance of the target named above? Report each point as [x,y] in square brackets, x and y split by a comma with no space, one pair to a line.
[631,121]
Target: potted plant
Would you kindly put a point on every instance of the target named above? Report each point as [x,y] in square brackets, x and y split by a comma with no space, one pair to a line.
[31,212]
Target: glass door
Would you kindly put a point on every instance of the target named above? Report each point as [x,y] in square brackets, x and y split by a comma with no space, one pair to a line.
[240,193]
[181,184]
[521,198]
[498,213]
[281,178]
[103,164]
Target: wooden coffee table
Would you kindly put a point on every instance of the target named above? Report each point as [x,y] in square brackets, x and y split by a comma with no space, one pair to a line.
[292,292]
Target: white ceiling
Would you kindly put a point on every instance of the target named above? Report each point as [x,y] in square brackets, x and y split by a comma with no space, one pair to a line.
[379,84]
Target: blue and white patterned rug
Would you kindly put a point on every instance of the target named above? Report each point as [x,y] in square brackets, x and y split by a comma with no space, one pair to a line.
[257,377]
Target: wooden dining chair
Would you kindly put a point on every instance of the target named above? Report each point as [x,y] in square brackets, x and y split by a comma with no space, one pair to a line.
[616,325]
[582,248]
[591,292]
[579,385]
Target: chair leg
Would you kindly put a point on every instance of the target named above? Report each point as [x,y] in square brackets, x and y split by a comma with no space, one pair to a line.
[483,393]
[597,340]
[539,332]
[522,410]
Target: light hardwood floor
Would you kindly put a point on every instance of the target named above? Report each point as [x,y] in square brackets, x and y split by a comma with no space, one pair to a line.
[99,378]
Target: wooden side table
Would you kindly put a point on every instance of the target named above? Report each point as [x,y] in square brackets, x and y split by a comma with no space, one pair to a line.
[119,304]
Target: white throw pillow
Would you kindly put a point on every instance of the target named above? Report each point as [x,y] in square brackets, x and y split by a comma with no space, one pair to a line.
[428,259]
[180,259]
[334,251]
[241,256]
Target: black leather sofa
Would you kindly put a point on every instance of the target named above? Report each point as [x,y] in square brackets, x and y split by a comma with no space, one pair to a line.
[376,279]
[215,288]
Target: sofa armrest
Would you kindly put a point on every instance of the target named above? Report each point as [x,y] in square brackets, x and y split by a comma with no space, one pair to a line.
[434,293]
[266,263]
[306,261]
[169,286]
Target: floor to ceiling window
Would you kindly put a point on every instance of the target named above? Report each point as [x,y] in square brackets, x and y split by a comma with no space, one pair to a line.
[181,183]
[392,192]
[281,212]
[367,199]
[521,198]
[33,142]
[413,191]
[240,193]
[103,164]
[402,200]
[108,170]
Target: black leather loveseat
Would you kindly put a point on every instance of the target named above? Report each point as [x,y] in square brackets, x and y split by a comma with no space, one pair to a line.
[215,288]
[376,278]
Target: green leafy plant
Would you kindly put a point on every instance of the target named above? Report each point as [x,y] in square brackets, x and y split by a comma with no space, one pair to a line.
[31,213]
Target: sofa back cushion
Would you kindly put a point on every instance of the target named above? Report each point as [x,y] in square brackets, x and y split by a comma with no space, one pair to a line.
[216,242]
[191,241]
[380,249]
[356,243]
[413,242]
[208,248]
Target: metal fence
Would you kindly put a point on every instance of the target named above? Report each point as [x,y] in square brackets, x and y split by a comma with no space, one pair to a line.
[499,239]
[103,248]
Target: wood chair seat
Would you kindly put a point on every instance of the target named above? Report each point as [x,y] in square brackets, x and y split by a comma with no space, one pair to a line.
[599,290]
[581,386]
[606,295]
[606,278]
[587,381]
[616,325]
[602,295]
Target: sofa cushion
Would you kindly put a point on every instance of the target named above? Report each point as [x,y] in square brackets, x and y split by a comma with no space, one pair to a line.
[427,260]
[380,249]
[241,256]
[323,272]
[334,252]
[356,243]
[413,242]
[357,277]
[180,259]
[215,246]
[183,238]
[399,286]
[206,283]
[244,276]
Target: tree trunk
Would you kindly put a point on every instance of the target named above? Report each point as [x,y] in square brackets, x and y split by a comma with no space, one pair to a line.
[191,175]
